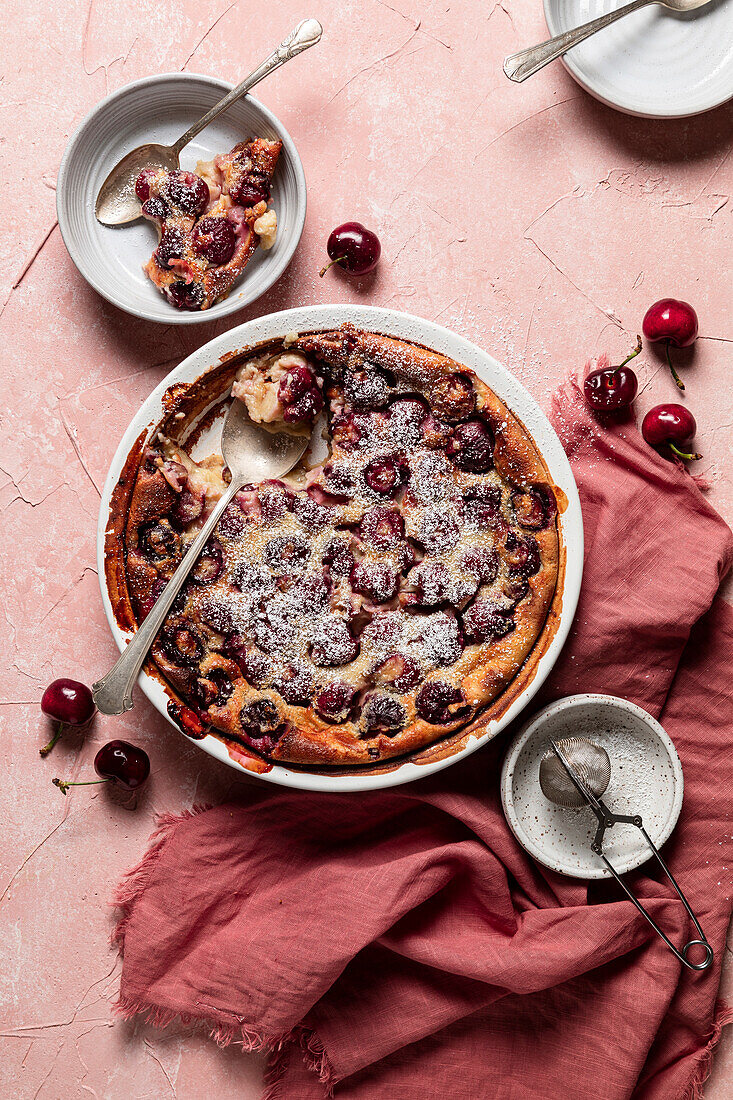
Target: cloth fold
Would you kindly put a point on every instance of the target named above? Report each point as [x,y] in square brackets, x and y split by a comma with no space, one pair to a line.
[401,943]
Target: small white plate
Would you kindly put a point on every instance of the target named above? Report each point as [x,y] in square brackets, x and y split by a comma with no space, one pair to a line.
[646,778]
[160,109]
[406,327]
[654,63]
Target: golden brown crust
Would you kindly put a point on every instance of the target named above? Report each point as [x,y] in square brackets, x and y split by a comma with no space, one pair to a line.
[484,670]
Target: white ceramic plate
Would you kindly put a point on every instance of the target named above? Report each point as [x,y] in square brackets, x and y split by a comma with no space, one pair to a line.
[646,778]
[654,63]
[160,109]
[442,340]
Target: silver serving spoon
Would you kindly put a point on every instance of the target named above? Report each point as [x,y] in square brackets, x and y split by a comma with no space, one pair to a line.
[528,62]
[252,455]
[117,203]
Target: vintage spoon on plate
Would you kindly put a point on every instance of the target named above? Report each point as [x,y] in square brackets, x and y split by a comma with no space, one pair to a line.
[117,203]
[252,455]
[528,62]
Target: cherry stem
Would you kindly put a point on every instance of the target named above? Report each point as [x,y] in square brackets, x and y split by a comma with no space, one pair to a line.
[63,785]
[675,375]
[634,353]
[338,260]
[47,748]
[682,454]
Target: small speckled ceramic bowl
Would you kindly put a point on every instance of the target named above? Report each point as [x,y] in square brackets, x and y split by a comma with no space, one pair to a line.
[160,109]
[646,778]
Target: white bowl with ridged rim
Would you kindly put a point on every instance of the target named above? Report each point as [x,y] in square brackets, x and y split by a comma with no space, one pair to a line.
[646,778]
[160,108]
[405,326]
[653,63]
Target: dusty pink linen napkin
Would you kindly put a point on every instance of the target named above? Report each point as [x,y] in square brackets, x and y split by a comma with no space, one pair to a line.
[401,944]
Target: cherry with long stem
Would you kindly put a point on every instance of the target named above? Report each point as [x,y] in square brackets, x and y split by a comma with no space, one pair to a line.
[70,704]
[672,322]
[354,247]
[119,762]
[670,426]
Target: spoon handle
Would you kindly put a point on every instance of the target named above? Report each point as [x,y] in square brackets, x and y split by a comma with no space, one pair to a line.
[306,34]
[113,693]
[527,62]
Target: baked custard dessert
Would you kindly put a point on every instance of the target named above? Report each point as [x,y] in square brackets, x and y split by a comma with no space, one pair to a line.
[374,603]
[210,222]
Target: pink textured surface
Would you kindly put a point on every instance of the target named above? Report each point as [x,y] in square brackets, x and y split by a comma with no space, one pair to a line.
[535,221]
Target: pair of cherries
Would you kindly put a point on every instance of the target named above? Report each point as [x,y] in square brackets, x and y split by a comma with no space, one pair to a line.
[70,703]
[610,389]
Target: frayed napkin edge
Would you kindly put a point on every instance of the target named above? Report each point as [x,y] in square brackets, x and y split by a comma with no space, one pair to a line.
[722,1017]
[277,1048]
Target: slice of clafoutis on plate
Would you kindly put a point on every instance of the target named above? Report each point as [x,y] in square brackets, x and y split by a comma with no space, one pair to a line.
[210,222]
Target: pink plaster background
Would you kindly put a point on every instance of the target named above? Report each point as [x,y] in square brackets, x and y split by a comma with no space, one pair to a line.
[530,218]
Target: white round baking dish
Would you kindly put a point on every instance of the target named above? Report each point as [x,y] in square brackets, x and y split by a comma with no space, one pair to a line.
[404,326]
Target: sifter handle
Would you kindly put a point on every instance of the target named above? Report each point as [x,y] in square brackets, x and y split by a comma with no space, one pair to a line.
[597,847]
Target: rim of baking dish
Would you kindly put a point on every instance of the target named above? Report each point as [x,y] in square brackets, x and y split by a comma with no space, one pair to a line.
[505,385]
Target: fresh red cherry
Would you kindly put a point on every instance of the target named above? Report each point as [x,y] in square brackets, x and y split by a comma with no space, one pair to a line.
[69,703]
[608,389]
[670,425]
[675,323]
[116,762]
[611,389]
[354,247]
[122,763]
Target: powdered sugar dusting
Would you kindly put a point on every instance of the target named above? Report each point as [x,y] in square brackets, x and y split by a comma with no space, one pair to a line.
[378,552]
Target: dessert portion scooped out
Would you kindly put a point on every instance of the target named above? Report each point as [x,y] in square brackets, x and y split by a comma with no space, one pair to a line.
[210,222]
[281,391]
[364,607]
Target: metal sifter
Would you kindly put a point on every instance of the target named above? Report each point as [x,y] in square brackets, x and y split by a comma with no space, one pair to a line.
[575,772]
